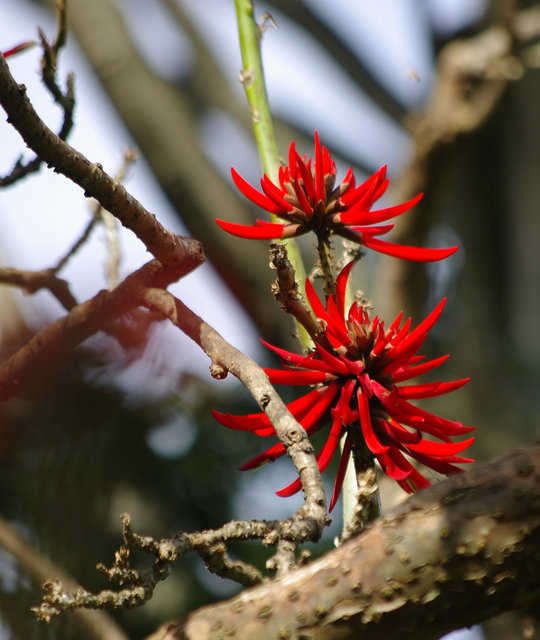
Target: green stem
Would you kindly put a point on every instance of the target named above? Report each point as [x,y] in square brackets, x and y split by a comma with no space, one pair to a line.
[252,78]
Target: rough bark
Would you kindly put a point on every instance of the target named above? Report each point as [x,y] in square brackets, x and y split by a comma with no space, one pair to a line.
[449,557]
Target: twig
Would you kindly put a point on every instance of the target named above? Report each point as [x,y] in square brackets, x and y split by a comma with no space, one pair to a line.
[98,213]
[39,567]
[112,266]
[32,281]
[217,560]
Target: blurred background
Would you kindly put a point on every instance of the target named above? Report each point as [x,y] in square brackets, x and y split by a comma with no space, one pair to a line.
[445,92]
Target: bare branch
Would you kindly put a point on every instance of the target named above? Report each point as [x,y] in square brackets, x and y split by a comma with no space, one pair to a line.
[98,623]
[32,281]
[94,315]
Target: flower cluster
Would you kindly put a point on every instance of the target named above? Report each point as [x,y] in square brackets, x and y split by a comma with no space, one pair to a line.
[307,199]
[357,370]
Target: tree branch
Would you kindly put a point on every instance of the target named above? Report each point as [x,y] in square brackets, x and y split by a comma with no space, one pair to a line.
[472,539]
[309,521]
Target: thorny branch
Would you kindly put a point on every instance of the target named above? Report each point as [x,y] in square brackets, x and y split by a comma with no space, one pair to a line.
[32,281]
[286,291]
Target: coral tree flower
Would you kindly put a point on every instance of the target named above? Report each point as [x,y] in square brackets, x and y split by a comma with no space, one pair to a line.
[357,371]
[308,200]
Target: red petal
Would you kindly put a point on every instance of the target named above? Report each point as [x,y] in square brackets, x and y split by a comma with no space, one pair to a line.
[416,254]
[398,432]
[302,199]
[440,449]
[412,342]
[290,489]
[243,423]
[406,373]
[275,195]
[357,216]
[292,160]
[18,48]
[449,427]
[378,230]
[336,364]
[305,362]
[364,193]
[318,409]
[306,176]
[319,171]
[371,439]
[397,469]
[414,392]
[256,232]
[341,287]
[292,376]
[330,446]
[266,456]
[337,325]
[252,194]
[340,476]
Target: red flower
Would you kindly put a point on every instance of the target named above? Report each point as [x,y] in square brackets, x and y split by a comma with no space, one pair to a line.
[357,370]
[307,200]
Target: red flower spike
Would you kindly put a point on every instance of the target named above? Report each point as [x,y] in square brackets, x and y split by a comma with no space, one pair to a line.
[359,392]
[306,196]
